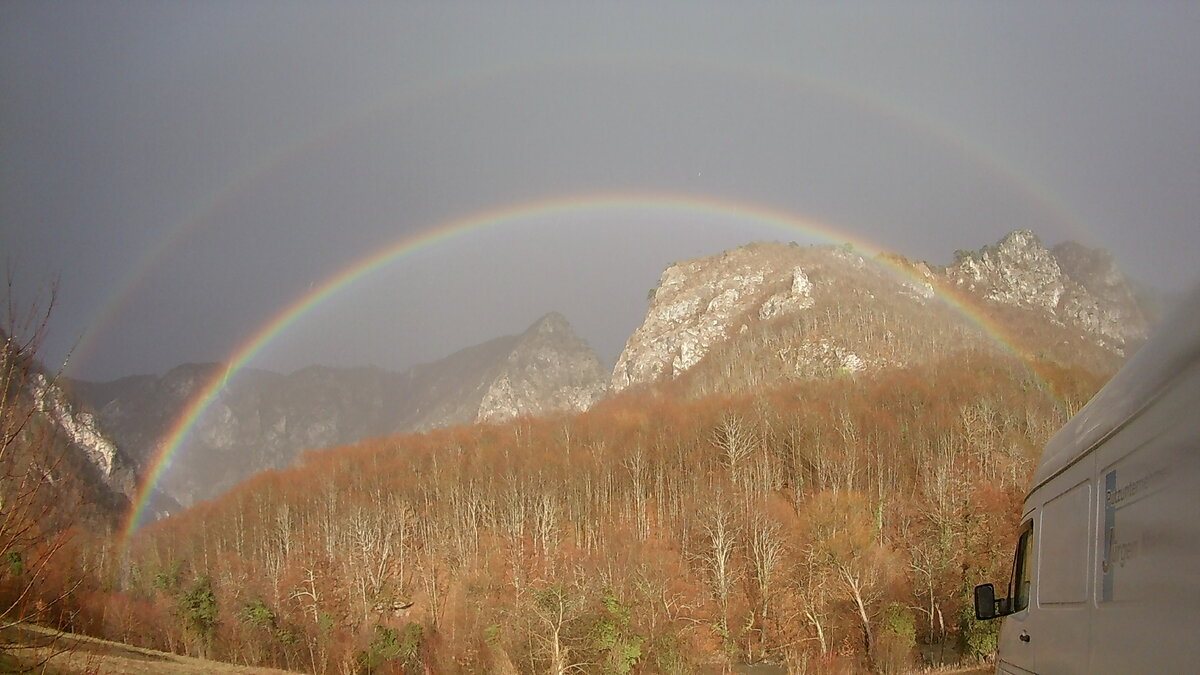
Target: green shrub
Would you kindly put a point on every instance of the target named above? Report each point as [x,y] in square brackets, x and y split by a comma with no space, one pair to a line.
[402,645]
[611,637]
[198,608]
[977,638]
[897,640]
[16,566]
[258,614]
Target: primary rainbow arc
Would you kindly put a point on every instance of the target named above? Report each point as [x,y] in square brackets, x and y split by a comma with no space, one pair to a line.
[559,206]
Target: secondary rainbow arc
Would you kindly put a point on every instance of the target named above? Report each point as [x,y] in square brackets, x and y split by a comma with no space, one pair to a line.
[988,159]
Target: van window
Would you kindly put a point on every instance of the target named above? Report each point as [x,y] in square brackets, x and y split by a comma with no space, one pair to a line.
[1022,579]
[1063,547]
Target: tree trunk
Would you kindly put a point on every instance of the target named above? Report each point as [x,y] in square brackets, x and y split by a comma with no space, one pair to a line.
[868,638]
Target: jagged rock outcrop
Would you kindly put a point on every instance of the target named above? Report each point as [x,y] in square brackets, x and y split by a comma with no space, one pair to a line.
[709,303]
[1018,270]
[696,305]
[770,311]
[545,370]
[263,420]
[1075,285]
[81,430]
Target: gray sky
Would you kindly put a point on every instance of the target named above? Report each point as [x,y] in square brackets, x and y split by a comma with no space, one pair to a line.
[188,170]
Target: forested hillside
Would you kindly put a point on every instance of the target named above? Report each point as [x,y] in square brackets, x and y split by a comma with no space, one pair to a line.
[827,525]
[809,461]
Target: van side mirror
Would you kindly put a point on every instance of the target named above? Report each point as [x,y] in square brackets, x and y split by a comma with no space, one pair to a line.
[985,602]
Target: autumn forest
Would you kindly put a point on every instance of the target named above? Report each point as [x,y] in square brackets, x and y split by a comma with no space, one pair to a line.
[834,525]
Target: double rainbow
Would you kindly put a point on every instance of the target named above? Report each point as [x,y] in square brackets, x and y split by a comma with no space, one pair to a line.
[243,181]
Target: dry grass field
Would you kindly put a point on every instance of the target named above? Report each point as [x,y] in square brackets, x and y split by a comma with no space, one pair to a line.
[67,653]
[63,654]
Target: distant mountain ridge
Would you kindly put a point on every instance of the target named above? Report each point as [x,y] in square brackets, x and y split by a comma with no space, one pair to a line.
[263,420]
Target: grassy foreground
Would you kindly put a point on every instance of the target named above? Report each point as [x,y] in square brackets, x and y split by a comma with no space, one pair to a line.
[67,653]
[47,651]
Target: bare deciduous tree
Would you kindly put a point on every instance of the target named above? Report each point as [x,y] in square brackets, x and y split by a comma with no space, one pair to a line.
[556,608]
[716,558]
[766,554]
[736,440]
[38,497]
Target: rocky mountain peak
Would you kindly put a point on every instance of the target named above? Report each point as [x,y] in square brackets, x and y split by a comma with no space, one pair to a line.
[182,381]
[549,370]
[1017,270]
[1074,283]
[263,420]
[550,324]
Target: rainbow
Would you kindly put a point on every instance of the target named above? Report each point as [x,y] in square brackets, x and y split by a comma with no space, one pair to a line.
[115,305]
[448,230]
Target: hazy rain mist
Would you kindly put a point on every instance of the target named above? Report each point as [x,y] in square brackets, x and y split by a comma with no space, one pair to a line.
[189,170]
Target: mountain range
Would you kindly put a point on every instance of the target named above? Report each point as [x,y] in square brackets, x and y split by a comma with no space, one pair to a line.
[263,420]
[739,320]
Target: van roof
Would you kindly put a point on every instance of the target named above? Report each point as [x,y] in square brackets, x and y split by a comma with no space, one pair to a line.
[1174,346]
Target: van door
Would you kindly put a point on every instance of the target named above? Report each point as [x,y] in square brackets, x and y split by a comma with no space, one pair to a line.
[1015,655]
[1048,631]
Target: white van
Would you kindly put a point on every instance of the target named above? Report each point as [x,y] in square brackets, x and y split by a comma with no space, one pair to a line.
[1106,577]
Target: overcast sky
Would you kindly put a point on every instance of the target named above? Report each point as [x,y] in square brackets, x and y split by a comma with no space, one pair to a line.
[189,169]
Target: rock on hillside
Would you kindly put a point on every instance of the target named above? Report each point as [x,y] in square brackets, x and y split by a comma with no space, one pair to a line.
[697,304]
[543,371]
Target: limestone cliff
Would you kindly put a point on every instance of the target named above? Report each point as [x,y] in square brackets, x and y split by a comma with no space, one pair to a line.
[766,312]
[47,431]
